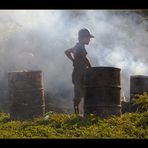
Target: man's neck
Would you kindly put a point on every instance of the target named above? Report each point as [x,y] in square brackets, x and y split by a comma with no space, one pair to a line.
[81,44]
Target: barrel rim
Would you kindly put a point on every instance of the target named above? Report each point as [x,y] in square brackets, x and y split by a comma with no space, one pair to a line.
[103,105]
[138,76]
[102,86]
[25,71]
[104,67]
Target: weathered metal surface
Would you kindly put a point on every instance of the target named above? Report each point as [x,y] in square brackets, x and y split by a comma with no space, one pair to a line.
[138,85]
[26,94]
[102,91]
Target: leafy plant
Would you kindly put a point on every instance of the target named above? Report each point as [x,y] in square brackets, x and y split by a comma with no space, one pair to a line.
[142,102]
[53,125]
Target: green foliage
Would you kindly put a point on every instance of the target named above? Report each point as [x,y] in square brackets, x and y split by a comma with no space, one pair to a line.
[142,102]
[4,117]
[53,125]
[143,122]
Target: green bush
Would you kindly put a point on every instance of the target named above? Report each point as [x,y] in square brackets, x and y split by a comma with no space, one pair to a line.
[53,125]
[142,102]
[4,117]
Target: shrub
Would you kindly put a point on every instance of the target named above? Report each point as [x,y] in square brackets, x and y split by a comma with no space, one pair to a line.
[142,102]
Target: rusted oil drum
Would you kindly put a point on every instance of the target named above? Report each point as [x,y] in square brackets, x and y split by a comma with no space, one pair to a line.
[26,94]
[102,91]
[138,85]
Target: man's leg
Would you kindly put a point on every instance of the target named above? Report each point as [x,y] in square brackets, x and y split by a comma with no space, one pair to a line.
[76,108]
[77,99]
[77,79]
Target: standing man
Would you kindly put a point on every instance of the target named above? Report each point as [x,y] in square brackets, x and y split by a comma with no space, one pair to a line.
[77,55]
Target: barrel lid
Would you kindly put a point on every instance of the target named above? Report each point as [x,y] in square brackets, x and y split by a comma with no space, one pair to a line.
[104,67]
[139,76]
[23,71]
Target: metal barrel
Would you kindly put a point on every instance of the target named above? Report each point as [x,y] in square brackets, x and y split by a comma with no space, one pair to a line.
[138,85]
[102,91]
[26,94]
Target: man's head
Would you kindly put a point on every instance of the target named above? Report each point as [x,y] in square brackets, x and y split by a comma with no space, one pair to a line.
[84,36]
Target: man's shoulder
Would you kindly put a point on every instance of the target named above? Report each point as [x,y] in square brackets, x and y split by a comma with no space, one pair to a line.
[79,47]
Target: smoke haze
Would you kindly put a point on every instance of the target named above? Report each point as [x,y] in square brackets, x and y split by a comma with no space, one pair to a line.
[37,39]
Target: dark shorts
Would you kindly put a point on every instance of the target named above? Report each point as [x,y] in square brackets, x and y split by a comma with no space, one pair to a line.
[78,81]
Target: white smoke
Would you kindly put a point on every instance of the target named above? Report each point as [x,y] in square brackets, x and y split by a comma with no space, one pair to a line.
[37,39]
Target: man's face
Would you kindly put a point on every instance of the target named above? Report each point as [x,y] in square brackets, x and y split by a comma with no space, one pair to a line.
[86,40]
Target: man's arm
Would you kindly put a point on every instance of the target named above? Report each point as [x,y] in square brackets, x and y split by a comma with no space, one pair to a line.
[87,62]
[68,53]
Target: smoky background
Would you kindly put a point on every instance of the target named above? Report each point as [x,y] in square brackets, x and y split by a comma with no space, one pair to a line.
[36,40]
